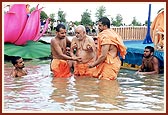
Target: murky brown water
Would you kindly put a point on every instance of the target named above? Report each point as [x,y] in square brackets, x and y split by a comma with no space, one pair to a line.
[39,91]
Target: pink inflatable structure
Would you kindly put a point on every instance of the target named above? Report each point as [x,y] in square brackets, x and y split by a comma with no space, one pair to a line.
[19,28]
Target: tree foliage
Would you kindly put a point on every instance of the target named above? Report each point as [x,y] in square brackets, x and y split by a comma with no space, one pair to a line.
[52,17]
[86,18]
[61,15]
[77,23]
[118,20]
[100,12]
[43,15]
[32,9]
[135,22]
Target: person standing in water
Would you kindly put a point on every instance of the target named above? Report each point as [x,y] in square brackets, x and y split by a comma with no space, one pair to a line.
[83,46]
[150,63]
[110,44]
[18,70]
[59,63]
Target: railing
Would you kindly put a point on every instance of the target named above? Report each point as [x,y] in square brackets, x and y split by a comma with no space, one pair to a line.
[131,32]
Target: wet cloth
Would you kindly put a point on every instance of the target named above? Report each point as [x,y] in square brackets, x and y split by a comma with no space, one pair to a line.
[110,67]
[158,26]
[108,70]
[60,68]
[83,69]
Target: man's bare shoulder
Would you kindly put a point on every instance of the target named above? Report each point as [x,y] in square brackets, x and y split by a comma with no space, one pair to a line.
[90,39]
[155,58]
[53,40]
[13,73]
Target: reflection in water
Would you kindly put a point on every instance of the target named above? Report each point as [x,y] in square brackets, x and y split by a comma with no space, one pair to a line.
[81,94]
[145,92]
[64,93]
[39,91]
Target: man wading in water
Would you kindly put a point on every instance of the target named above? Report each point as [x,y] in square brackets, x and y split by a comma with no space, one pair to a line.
[150,64]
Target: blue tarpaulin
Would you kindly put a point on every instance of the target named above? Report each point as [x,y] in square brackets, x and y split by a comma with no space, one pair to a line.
[135,51]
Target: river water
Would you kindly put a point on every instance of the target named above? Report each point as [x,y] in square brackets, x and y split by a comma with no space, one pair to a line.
[40,92]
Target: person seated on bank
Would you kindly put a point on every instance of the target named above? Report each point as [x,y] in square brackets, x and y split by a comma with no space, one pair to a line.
[59,63]
[150,63]
[18,70]
[83,46]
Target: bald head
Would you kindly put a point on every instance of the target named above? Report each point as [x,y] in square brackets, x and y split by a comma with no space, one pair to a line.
[80,32]
[81,27]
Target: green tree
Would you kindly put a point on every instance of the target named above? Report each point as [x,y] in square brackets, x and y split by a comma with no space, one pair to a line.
[118,20]
[100,12]
[146,22]
[32,9]
[43,15]
[86,18]
[61,15]
[52,17]
[77,23]
[135,22]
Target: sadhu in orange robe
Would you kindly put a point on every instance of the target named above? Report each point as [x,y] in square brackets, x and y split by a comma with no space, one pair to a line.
[60,68]
[81,69]
[110,67]
[158,26]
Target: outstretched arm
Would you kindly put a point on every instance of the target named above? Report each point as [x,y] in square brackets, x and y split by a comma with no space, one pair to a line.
[102,57]
[156,68]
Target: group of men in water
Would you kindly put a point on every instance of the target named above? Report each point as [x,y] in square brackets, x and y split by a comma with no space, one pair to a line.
[99,59]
